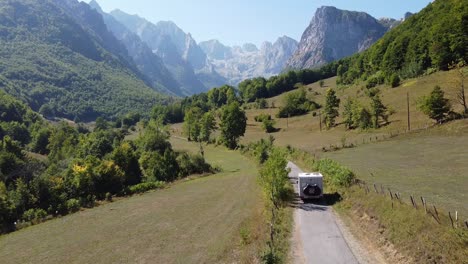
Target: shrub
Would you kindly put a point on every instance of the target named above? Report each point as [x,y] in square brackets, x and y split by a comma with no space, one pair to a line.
[261,103]
[335,174]
[73,205]
[34,215]
[269,126]
[375,80]
[192,164]
[395,80]
[262,117]
[144,187]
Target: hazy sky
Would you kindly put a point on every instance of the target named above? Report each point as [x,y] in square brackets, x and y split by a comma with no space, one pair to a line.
[239,21]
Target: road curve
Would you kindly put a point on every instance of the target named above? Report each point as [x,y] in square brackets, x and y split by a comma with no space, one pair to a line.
[320,238]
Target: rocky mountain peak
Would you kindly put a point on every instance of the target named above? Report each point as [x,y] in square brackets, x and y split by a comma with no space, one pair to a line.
[334,34]
[249,47]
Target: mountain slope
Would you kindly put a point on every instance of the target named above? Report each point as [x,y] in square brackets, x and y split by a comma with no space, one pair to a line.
[237,64]
[49,58]
[147,62]
[334,34]
[430,40]
[178,50]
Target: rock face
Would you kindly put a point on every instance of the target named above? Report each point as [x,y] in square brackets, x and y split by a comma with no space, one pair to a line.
[334,34]
[178,50]
[147,62]
[239,63]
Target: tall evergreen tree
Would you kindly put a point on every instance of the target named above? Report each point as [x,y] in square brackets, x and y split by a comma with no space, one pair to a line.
[332,104]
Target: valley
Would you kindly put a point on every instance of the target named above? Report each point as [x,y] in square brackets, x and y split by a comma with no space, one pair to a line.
[126,139]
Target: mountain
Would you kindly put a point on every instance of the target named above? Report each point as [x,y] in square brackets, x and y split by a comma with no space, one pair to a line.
[179,51]
[146,61]
[430,40]
[334,34]
[216,50]
[60,56]
[239,63]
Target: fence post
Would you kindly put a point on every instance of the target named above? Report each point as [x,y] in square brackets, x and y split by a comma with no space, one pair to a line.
[413,202]
[435,210]
[391,195]
[451,219]
[456,219]
[375,188]
[424,204]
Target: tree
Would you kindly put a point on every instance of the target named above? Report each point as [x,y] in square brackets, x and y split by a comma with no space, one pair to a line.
[155,138]
[207,124]
[348,113]
[436,106]
[331,108]
[101,124]
[361,116]
[159,167]
[126,158]
[233,125]
[461,71]
[378,110]
[192,126]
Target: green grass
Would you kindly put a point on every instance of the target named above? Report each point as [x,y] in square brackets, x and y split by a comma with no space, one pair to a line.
[412,233]
[303,132]
[196,221]
[432,164]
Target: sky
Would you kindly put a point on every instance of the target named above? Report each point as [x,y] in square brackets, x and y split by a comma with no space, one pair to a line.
[234,22]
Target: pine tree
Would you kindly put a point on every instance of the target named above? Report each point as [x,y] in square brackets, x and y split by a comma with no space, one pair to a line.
[436,106]
[331,108]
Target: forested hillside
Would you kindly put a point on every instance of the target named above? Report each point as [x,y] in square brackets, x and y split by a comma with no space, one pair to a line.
[428,41]
[63,68]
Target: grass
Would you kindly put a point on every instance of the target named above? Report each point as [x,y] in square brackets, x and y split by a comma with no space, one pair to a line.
[432,164]
[197,221]
[303,132]
[416,236]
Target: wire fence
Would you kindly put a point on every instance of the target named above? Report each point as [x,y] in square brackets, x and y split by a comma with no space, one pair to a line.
[418,203]
[344,143]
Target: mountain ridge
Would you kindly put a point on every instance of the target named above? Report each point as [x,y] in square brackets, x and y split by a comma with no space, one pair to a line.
[334,34]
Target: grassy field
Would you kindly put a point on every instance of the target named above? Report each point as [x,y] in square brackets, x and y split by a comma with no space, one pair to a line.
[303,132]
[196,221]
[432,164]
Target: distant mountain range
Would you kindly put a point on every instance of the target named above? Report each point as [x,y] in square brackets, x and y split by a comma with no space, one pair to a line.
[202,66]
[79,62]
[239,63]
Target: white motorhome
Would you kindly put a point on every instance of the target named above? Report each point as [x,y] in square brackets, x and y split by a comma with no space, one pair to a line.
[310,185]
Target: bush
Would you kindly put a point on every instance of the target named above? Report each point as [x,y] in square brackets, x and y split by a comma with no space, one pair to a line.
[34,215]
[375,80]
[73,205]
[335,174]
[395,80]
[262,117]
[192,164]
[269,125]
[144,187]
